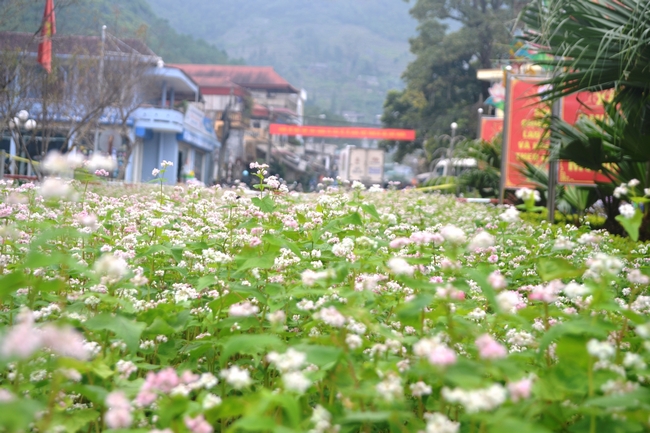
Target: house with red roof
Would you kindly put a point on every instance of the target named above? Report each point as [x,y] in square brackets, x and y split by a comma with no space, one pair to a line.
[253,97]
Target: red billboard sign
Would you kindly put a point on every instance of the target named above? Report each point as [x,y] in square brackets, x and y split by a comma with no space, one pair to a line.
[589,104]
[342,132]
[524,132]
[491,127]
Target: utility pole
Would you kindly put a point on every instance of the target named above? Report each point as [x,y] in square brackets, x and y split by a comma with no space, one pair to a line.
[450,156]
[552,165]
[270,148]
[225,134]
[100,80]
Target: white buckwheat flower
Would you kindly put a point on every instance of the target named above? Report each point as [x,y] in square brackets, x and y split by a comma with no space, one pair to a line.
[418,389]
[296,381]
[236,377]
[600,349]
[627,210]
[331,316]
[399,266]
[481,240]
[511,215]
[439,423]
[291,360]
[453,234]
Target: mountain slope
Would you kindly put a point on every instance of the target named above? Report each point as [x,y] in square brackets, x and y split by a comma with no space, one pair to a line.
[345,53]
[123,18]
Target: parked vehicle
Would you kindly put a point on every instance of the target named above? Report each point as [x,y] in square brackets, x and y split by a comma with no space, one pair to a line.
[401,173]
[445,167]
[361,164]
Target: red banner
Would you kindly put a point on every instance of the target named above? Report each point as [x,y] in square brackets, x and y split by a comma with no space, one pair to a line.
[491,127]
[524,113]
[342,132]
[574,107]
[48,30]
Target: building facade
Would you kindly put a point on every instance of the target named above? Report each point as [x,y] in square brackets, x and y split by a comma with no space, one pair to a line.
[256,96]
[111,96]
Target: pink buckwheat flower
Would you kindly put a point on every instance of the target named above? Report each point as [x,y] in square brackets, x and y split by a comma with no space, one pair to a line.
[198,425]
[145,398]
[520,390]
[119,411]
[399,242]
[166,380]
[547,293]
[489,348]
[118,418]
[450,292]
[497,281]
[442,356]
[243,309]
[23,339]
[65,341]
[188,377]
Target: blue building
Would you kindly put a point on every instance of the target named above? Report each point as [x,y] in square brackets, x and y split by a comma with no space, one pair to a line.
[175,130]
[158,117]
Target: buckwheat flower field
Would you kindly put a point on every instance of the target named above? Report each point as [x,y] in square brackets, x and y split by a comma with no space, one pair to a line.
[192,309]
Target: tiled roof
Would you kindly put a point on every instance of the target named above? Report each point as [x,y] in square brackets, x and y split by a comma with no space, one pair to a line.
[260,111]
[263,112]
[73,44]
[250,77]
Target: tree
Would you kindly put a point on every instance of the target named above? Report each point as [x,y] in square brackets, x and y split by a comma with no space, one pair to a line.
[82,90]
[128,82]
[15,86]
[441,83]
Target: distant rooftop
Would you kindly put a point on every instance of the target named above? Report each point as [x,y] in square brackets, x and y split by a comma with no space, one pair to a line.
[250,77]
[74,44]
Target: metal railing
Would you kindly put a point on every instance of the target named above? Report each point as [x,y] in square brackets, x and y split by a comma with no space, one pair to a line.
[12,160]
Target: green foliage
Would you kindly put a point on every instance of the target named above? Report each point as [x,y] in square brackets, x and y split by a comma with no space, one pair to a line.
[595,46]
[153,308]
[631,225]
[486,176]
[441,83]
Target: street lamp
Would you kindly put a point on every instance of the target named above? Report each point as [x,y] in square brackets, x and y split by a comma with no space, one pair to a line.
[454,126]
[16,125]
[440,153]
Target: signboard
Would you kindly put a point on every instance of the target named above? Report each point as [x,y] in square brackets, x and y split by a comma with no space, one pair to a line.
[591,105]
[491,127]
[342,132]
[523,130]
[236,119]
[195,119]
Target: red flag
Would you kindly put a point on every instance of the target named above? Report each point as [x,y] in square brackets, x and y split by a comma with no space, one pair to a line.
[48,30]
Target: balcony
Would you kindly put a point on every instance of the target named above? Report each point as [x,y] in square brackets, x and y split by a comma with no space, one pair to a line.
[159,119]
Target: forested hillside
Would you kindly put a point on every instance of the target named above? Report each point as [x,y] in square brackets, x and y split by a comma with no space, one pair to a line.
[346,54]
[124,18]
